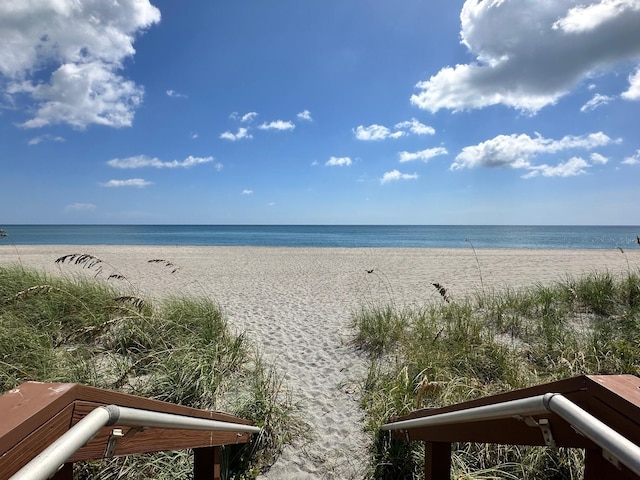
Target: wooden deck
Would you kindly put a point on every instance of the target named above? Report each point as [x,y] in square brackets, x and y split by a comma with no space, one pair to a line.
[34,415]
[612,399]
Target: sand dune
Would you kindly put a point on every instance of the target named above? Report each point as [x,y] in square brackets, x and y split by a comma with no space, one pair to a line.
[295,305]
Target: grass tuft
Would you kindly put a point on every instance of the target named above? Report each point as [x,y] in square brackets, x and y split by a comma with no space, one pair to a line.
[181,350]
[448,353]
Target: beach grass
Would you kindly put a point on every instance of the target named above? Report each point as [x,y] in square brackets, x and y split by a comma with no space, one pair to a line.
[446,353]
[181,350]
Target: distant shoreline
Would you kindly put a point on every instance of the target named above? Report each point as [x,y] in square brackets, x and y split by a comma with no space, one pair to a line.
[331,236]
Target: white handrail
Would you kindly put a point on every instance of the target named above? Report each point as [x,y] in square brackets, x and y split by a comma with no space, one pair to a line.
[616,445]
[625,451]
[512,408]
[47,462]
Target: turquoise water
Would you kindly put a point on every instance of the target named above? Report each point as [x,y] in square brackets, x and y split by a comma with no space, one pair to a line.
[424,236]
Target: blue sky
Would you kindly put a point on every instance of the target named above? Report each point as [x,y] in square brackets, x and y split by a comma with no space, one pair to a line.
[320,112]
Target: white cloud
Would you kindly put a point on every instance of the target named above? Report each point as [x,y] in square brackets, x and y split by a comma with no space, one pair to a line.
[42,138]
[141,161]
[424,155]
[415,127]
[81,95]
[174,94]
[372,132]
[132,182]
[248,117]
[585,18]
[305,115]
[338,162]
[517,151]
[530,54]
[597,101]
[194,136]
[80,207]
[247,192]
[277,125]
[83,44]
[571,168]
[395,175]
[596,158]
[241,134]
[632,160]
[218,166]
[380,132]
[633,93]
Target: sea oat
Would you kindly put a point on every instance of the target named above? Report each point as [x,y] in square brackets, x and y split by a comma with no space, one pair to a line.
[166,263]
[442,291]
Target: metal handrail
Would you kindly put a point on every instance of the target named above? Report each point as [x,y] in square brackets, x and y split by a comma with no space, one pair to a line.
[614,444]
[47,462]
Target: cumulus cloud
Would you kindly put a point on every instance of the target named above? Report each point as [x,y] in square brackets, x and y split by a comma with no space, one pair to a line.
[520,151]
[277,125]
[242,133]
[142,161]
[338,162]
[372,132]
[530,54]
[380,132]
[596,158]
[395,175]
[80,207]
[597,101]
[305,115]
[633,93]
[66,57]
[571,168]
[248,117]
[517,151]
[585,18]
[424,155]
[632,160]
[415,127]
[247,192]
[131,182]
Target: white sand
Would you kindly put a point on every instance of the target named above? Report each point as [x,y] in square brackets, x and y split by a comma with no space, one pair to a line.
[295,304]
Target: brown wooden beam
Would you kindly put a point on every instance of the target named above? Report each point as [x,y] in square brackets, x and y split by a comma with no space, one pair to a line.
[65,472]
[206,463]
[437,461]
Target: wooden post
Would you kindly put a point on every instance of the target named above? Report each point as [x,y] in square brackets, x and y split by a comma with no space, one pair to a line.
[206,463]
[437,461]
[597,467]
[65,472]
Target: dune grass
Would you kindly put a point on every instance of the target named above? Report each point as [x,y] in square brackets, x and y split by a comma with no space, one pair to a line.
[181,350]
[496,341]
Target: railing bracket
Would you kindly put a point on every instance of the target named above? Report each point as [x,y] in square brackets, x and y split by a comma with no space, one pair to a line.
[116,434]
[545,427]
[611,458]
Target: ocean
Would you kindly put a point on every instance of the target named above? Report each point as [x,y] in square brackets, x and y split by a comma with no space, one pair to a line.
[349,236]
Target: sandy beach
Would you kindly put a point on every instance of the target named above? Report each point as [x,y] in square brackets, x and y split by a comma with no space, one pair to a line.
[295,304]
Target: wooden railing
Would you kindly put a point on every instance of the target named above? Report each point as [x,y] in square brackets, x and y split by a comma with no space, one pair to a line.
[34,415]
[613,401]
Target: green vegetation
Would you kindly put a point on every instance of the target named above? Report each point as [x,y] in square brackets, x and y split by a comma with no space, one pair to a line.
[452,352]
[180,351]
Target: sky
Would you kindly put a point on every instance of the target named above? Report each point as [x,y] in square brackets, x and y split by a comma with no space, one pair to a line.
[320,112]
